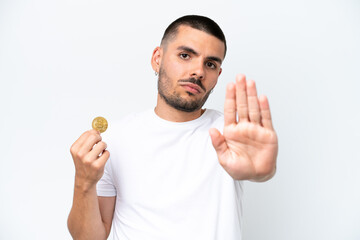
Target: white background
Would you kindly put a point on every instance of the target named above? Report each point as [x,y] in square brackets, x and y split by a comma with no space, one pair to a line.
[62,63]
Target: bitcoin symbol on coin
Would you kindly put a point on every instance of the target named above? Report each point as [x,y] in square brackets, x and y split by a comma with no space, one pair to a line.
[100,124]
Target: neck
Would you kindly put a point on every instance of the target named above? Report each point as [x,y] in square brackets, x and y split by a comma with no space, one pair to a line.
[169,113]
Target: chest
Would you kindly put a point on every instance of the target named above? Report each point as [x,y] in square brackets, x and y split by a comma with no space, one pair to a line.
[166,169]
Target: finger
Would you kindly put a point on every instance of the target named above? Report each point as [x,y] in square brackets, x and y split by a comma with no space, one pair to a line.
[101,161]
[253,102]
[265,112]
[92,138]
[241,98]
[230,105]
[80,141]
[218,141]
[97,149]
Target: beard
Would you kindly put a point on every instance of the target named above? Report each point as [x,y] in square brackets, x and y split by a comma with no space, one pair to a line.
[174,99]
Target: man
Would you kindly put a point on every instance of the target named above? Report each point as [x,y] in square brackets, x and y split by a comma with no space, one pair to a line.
[172,174]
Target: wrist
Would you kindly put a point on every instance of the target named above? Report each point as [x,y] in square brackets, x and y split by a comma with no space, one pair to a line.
[84,186]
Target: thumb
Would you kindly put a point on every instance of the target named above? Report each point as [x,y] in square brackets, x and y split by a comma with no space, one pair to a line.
[218,141]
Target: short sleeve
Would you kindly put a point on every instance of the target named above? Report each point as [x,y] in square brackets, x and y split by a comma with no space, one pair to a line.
[105,187]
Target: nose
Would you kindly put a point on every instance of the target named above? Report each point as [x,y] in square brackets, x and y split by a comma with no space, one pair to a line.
[198,70]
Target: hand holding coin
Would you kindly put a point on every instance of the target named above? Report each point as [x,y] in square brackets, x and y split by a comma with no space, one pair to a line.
[100,124]
[90,155]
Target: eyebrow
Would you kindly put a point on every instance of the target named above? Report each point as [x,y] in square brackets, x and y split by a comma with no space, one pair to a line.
[190,50]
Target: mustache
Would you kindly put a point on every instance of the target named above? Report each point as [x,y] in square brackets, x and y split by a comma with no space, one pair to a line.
[194,81]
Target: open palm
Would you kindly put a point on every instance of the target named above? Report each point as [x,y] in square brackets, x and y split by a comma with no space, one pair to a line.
[248,147]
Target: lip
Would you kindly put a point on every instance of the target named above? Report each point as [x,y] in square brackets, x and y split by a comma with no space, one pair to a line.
[193,88]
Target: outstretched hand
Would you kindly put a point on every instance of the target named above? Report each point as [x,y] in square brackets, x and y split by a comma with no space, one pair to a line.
[248,148]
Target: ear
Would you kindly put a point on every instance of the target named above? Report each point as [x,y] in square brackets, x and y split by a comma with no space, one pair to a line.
[156,59]
[220,71]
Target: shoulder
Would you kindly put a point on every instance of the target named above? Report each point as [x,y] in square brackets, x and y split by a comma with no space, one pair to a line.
[214,115]
[213,118]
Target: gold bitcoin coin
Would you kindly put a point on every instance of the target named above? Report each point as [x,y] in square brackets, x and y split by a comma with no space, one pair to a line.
[100,124]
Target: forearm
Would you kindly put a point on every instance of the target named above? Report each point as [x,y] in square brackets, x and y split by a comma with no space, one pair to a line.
[84,221]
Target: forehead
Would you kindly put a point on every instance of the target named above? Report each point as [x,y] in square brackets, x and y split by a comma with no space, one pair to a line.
[198,40]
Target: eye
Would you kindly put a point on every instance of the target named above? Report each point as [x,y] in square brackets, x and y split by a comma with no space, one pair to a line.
[184,56]
[211,65]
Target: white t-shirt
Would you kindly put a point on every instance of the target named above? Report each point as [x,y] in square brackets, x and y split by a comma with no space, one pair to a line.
[168,182]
